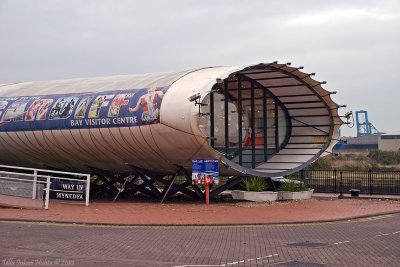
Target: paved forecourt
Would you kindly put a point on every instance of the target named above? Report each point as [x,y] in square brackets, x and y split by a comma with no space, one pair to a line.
[178,213]
[369,241]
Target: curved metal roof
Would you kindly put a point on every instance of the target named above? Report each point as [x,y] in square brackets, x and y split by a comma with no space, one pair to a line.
[313,115]
[93,84]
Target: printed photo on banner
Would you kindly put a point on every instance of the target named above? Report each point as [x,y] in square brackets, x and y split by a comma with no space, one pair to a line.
[196,178]
[118,101]
[149,104]
[38,109]
[3,104]
[80,111]
[16,111]
[62,108]
[98,104]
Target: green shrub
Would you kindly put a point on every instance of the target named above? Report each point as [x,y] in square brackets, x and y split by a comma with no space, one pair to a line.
[385,157]
[324,163]
[255,184]
[293,186]
[356,166]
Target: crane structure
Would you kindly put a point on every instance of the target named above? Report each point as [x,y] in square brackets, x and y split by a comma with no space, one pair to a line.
[364,126]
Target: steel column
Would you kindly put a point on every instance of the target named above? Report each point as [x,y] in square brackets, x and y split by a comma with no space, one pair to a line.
[253,130]
[167,189]
[276,128]
[240,122]
[265,118]
[226,117]
[212,140]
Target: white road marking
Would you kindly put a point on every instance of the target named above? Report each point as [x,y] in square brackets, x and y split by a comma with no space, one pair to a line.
[342,242]
[228,263]
[194,265]
[385,234]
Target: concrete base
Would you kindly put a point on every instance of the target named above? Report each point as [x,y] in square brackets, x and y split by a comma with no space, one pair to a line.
[255,196]
[286,195]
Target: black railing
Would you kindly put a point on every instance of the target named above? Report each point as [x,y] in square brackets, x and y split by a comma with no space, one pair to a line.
[336,181]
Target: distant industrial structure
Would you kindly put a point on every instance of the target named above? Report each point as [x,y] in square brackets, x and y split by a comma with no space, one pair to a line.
[389,142]
[360,143]
[364,126]
[368,137]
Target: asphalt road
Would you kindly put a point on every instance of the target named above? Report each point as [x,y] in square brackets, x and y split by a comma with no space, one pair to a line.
[371,241]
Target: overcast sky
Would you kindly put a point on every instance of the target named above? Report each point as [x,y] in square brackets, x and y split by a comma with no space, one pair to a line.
[353,45]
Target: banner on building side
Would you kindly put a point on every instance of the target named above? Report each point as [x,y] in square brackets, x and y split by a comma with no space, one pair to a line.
[120,108]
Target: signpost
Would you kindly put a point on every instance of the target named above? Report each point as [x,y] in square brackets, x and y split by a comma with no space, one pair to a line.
[205,171]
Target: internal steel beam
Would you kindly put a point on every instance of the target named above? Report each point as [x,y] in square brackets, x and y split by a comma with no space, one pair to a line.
[265,129]
[253,128]
[226,117]
[212,133]
[229,184]
[240,120]
[276,127]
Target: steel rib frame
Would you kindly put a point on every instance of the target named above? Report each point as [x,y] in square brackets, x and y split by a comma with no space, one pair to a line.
[226,124]
[253,128]
[240,119]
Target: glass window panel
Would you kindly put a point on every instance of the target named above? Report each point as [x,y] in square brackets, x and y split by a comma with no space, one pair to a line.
[273,115]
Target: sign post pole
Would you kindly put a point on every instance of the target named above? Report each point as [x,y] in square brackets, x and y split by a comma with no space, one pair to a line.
[205,171]
[207,183]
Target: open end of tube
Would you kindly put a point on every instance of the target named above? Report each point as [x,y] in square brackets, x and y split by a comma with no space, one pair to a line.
[266,121]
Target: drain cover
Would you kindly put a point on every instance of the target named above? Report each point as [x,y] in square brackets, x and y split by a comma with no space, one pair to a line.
[307,244]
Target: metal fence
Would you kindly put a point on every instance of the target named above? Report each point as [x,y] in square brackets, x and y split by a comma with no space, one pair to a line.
[30,182]
[336,181]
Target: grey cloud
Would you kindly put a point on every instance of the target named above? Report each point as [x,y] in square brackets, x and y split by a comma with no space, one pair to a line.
[353,45]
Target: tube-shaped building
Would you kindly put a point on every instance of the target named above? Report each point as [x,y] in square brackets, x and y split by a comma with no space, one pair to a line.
[265,120]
